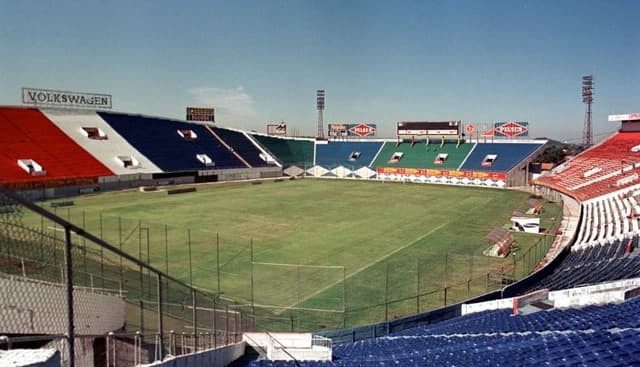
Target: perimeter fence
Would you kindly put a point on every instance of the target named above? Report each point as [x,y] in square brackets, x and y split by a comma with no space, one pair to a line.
[301,296]
[64,287]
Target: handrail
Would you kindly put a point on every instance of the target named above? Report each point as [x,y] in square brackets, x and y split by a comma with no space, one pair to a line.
[256,344]
[284,349]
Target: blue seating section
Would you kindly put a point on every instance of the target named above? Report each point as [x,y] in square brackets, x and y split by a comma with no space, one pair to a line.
[509,155]
[337,153]
[595,335]
[159,141]
[595,264]
[242,146]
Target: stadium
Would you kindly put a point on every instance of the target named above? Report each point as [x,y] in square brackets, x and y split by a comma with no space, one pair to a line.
[129,239]
[319,183]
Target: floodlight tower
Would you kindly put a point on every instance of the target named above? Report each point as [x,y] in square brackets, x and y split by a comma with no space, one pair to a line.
[587,98]
[320,105]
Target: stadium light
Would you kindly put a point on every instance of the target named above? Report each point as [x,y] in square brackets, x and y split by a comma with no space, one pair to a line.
[320,107]
[587,98]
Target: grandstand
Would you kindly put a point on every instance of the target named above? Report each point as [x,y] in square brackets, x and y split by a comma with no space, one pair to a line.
[433,156]
[350,154]
[289,151]
[106,141]
[56,153]
[498,157]
[35,150]
[161,142]
[611,165]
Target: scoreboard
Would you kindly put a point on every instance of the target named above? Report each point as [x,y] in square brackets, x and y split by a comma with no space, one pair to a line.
[200,114]
[428,128]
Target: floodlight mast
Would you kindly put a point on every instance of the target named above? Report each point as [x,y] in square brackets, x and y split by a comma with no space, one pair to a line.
[320,106]
[587,98]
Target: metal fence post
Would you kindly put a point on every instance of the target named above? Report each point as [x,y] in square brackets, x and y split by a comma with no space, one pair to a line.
[253,310]
[218,260]
[194,314]
[101,251]
[470,276]
[84,248]
[226,332]
[69,290]
[190,261]
[344,296]
[215,332]
[446,260]
[386,291]
[120,245]
[418,286]
[160,318]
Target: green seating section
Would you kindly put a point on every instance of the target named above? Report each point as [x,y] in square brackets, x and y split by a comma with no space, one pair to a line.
[423,155]
[290,152]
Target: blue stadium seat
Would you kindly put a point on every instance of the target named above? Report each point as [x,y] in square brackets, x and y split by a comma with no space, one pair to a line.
[594,264]
[594,335]
[159,141]
[352,155]
[241,145]
[508,155]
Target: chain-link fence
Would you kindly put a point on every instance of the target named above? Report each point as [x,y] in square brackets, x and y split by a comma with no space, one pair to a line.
[72,288]
[279,296]
[161,272]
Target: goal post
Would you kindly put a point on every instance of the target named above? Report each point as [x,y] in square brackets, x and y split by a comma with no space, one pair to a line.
[282,287]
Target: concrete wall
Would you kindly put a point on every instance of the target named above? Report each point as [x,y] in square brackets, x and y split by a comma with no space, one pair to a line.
[30,307]
[609,292]
[284,346]
[30,358]
[218,357]
[122,182]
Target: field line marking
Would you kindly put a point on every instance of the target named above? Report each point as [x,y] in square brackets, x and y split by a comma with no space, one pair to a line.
[364,267]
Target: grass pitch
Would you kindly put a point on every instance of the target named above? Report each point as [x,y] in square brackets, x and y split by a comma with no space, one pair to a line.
[320,247]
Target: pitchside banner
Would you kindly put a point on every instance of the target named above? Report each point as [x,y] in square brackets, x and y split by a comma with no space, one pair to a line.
[59,98]
[438,172]
[511,129]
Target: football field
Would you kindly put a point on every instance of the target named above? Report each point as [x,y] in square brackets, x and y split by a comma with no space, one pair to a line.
[327,253]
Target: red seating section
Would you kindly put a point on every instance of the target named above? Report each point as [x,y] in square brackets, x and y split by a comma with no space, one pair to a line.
[605,162]
[27,134]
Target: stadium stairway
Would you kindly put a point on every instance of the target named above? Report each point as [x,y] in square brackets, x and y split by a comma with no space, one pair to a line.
[241,145]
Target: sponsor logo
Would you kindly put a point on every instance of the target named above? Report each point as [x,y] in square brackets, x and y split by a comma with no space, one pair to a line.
[67,99]
[363,130]
[626,117]
[442,173]
[511,128]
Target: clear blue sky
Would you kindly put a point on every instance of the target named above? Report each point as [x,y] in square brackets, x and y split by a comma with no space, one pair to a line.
[379,62]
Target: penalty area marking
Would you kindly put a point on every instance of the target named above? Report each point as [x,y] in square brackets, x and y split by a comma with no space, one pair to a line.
[364,267]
